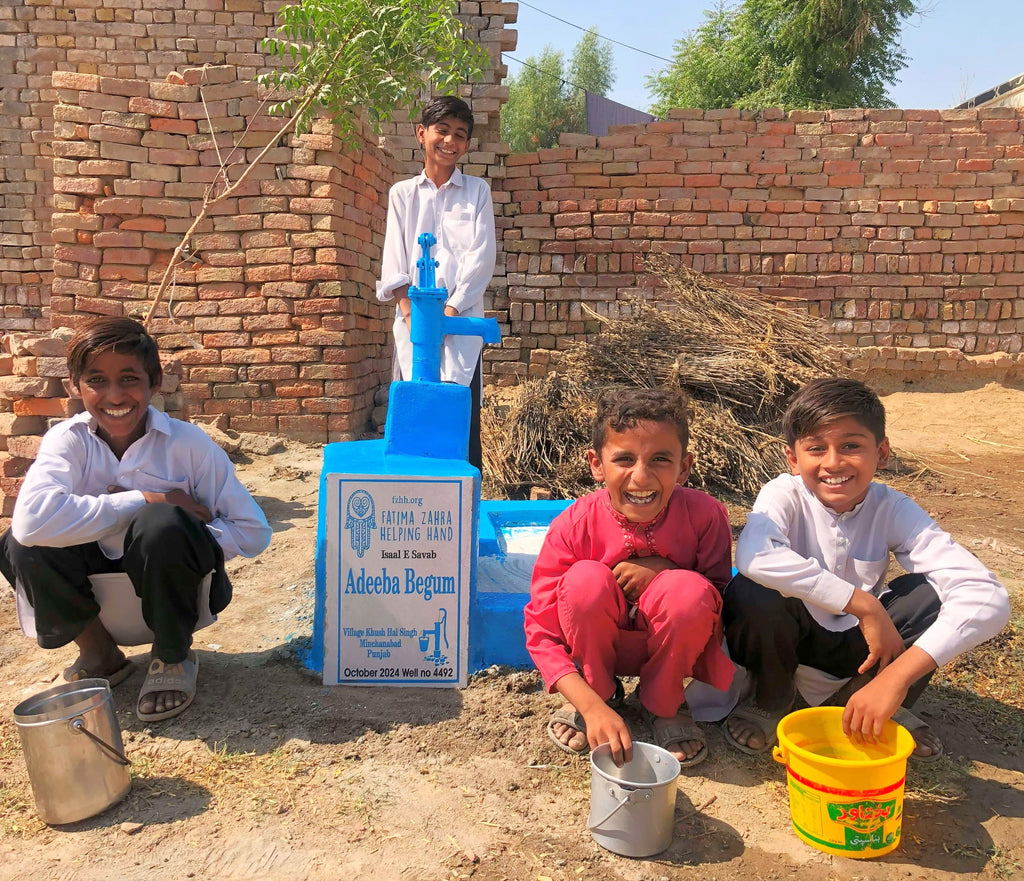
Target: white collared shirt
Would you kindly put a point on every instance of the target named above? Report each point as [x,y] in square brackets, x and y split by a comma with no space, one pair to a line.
[801,548]
[460,214]
[64,499]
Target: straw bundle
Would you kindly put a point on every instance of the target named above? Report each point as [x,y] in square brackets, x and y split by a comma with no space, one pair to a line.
[737,356]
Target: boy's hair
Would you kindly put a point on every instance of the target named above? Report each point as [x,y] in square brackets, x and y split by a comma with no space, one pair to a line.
[823,401]
[621,408]
[122,335]
[447,105]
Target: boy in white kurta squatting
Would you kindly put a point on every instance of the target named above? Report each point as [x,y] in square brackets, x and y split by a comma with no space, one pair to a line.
[457,209]
[811,594]
[123,487]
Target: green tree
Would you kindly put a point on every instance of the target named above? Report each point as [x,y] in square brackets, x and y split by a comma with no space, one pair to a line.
[347,57]
[789,53]
[547,98]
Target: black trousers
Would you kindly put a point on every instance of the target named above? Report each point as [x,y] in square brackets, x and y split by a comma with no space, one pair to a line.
[771,635]
[167,553]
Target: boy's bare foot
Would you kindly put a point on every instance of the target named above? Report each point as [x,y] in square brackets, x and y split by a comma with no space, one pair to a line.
[98,656]
[568,729]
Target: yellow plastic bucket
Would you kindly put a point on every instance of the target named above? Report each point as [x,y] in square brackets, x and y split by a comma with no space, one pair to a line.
[845,798]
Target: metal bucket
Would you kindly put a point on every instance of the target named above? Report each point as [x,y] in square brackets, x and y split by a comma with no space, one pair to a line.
[73,750]
[634,805]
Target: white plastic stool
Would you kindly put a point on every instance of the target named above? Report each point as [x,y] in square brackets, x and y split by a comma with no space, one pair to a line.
[120,609]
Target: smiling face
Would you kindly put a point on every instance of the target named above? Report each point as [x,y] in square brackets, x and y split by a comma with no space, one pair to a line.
[116,391]
[837,462]
[444,143]
[641,467]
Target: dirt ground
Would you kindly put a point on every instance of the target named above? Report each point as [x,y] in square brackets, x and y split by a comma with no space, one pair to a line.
[271,775]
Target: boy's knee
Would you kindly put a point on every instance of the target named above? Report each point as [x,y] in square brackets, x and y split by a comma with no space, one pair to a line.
[159,528]
[682,596]
[588,585]
[25,558]
[745,599]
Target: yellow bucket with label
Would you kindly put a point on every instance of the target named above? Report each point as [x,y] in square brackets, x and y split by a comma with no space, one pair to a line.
[845,798]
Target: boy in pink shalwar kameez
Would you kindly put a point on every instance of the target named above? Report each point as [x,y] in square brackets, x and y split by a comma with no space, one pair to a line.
[629,582]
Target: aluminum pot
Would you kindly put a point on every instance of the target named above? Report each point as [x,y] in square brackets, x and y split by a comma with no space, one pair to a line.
[73,750]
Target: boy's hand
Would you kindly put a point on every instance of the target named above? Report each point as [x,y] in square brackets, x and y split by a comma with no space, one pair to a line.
[604,725]
[175,497]
[451,311]
[884,642]
[869,707]
[636,574]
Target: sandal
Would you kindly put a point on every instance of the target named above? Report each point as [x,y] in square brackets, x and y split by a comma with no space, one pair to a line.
[677,729]
[917,726]
[77,672]
[180,677]
[572,718]
[766,720]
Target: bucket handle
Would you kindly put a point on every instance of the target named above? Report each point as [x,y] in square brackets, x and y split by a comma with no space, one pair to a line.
[644,794]
[78,724]
[778,755]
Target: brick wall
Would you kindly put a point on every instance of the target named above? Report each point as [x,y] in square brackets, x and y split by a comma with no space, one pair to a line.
[112,38]
[104,157]
[276,325]
[904,229]
[125,39]
[83,225]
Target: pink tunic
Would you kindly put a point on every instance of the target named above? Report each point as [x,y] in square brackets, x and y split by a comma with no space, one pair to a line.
[692,531]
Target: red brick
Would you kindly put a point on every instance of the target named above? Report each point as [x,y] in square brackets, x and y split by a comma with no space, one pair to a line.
[66,79]
[11,466]
[152,107]
[24,446]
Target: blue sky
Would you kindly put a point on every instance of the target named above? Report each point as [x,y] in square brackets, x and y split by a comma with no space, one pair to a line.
[956,48]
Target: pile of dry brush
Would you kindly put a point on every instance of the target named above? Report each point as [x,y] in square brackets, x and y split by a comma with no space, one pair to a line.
[736,356]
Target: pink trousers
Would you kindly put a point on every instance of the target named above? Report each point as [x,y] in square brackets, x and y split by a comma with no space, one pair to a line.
[675,620]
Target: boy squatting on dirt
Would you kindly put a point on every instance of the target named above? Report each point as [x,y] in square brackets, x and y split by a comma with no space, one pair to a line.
[629,580]
[458,210]
[811,591]
[125,488]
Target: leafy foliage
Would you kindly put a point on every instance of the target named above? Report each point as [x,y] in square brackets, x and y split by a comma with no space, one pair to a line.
[373,55]
[809,54]
[545,99]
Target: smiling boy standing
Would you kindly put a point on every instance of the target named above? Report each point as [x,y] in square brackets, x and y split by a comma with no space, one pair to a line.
[629,581]
[813,559]
[457,209]
[123,487]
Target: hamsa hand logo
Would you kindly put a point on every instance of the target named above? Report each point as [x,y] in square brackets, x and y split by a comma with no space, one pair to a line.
[360,520]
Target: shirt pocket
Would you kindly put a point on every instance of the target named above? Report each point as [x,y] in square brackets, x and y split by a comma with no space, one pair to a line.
[459,229]
[869,574]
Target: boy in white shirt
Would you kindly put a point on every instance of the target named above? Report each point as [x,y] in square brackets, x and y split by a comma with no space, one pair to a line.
[811,591]
[457,209]
[125,488]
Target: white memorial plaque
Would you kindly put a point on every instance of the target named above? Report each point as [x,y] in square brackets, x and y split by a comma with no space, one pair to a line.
[398,552]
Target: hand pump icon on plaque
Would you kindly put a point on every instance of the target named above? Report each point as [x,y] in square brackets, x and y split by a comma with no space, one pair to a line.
[439,632]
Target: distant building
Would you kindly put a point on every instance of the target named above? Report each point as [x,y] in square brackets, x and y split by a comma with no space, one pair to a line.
[603,112]
[1008,94]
